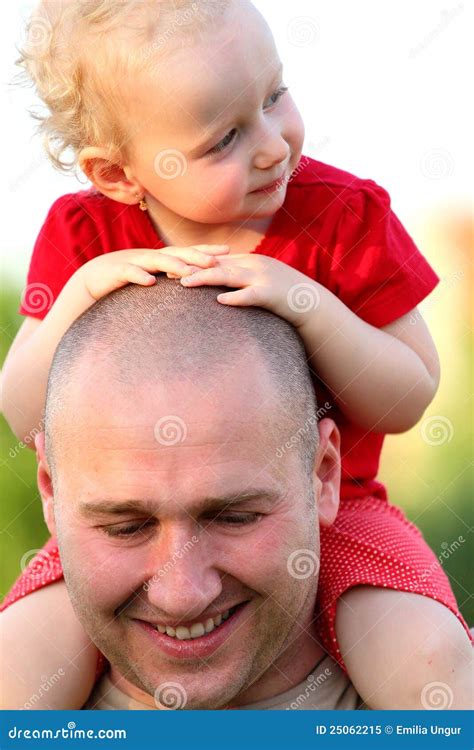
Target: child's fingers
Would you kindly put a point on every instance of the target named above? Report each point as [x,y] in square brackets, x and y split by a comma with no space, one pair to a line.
[222,275]
[133,274]
[160,262]
[247,297]
[213,249]
[190,255]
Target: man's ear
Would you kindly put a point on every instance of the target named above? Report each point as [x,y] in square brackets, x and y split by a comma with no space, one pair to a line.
[45,484]
[103,168]
[327,471]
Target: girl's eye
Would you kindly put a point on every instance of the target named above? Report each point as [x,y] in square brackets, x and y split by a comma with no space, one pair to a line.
[276,95]
[225,142]
[127,531]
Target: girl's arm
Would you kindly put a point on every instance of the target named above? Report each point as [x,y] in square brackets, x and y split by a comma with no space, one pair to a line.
[26,368]
[46,659]
[382,379]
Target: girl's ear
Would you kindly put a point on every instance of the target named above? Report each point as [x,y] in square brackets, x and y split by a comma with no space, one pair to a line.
[45,484]
[103,168]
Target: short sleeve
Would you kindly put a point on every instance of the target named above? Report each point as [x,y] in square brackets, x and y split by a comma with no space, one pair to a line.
[375,267]
[67,239]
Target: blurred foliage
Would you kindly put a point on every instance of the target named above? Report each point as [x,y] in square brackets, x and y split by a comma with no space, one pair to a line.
[432,483]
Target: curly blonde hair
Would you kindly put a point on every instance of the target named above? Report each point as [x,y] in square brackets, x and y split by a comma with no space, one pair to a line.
[78,52]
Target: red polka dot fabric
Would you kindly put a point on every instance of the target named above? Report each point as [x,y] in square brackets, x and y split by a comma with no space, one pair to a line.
[44,568]
[370,543]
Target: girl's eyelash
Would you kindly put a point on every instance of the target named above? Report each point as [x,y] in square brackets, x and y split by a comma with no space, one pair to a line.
[224,142]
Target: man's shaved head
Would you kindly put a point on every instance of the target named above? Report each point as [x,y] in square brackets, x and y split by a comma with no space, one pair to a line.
[140,336]
[173,495]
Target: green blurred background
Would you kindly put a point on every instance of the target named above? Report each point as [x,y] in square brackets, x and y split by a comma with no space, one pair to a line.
[428,471]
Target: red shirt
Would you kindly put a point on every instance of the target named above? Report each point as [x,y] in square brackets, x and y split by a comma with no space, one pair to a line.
[334,227]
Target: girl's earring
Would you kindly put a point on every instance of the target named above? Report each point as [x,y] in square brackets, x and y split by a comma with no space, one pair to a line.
[142,203]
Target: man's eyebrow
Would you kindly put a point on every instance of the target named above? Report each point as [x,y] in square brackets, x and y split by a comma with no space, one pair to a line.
[106,507]
[219,121]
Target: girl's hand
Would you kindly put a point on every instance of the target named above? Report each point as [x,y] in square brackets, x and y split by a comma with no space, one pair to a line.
[111,271]
[262,282]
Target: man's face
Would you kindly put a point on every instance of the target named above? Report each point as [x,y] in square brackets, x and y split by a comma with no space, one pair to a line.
[171,508]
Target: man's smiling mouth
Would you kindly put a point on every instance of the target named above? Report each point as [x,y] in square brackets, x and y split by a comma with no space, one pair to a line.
[197,629]
[197,639]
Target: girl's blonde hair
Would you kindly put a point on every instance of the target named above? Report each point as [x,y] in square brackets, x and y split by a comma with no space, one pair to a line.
[78,52]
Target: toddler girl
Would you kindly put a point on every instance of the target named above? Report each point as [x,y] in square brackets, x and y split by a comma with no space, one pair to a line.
[178,115]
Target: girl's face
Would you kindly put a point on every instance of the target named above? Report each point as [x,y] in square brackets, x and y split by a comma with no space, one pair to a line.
[213,123]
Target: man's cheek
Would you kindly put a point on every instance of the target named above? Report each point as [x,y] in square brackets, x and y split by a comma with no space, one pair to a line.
[108,573]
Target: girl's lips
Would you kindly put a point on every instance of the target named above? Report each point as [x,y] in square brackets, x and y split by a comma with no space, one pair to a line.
[195,648]
[271,187]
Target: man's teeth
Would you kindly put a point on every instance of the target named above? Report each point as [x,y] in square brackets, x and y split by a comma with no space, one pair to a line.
[197,629]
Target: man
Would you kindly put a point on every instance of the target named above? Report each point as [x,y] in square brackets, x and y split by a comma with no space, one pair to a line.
[189,540]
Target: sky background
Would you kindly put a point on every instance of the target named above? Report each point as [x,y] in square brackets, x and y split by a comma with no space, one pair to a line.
[383,89]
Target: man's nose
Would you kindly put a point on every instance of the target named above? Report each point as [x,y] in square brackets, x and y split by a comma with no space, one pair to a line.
[270,148]
[185,580]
